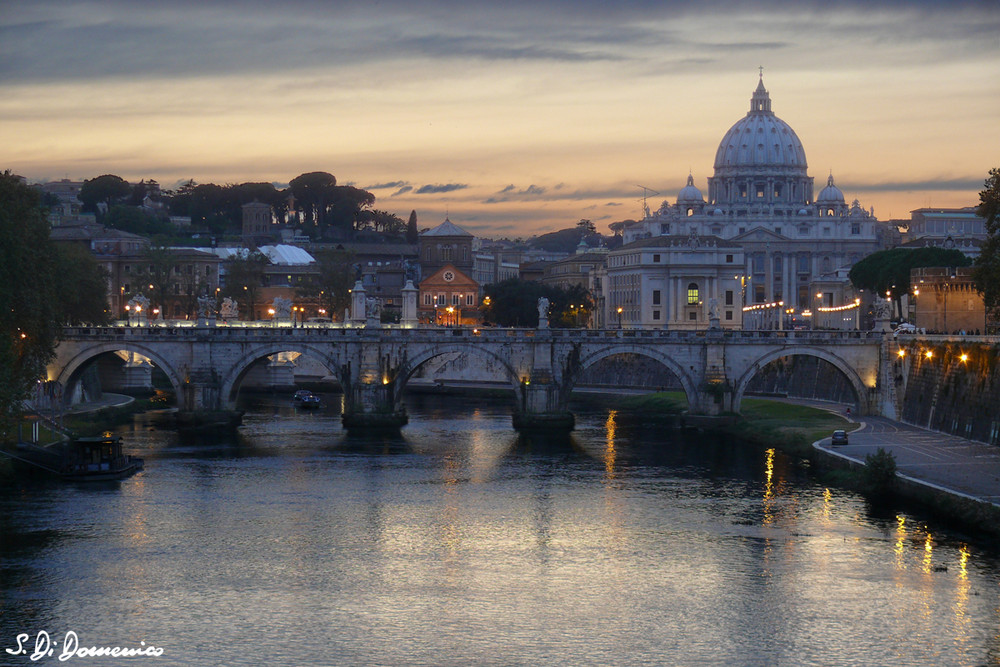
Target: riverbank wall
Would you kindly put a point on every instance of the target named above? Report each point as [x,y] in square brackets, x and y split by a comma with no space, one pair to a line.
[950,385]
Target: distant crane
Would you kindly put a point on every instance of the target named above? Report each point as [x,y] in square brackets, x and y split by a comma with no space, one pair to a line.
[645,193]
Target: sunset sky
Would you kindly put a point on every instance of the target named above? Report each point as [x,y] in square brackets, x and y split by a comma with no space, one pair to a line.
[512,118]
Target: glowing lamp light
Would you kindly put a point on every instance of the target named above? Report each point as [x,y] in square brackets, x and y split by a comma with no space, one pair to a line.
[964,358]
[901,353]
[929,354]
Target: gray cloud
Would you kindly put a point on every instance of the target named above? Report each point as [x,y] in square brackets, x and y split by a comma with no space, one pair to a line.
[402,191]
[942,184]
[386,186]
[511,193]
[438,189]
[50,40]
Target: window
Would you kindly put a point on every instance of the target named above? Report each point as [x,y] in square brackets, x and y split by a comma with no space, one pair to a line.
[729,315]
[693,294]
[729,297]
[693,315]
[456,299]
[656,297]
[803,263]
[656,315]
[446,253]
[427,299]
[729,259]
[758,263]
[469,301]
[855,228]
[656,258]
[441,300]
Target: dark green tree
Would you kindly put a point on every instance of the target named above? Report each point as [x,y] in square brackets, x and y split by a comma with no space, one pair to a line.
[332,287]
[888,271]
[514,303]
[412,235]
[987,266]
[137,221]
[81,286]
[244,278]
[107,189]
[313,192]
[29,319]
[156,282]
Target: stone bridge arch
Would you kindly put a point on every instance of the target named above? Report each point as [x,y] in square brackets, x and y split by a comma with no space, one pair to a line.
[590,357]
[69,373]
[426,353]
[230,382]
[861,391]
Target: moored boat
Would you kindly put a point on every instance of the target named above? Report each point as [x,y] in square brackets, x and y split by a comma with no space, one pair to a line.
[306,399]
[98,459]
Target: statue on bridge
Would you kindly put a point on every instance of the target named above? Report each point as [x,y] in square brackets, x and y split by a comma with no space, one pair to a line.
[543,313]
[137,306]
[229,309]
[282,308]
[206,306]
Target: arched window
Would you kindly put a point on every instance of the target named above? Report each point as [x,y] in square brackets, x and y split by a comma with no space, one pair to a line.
[693,294]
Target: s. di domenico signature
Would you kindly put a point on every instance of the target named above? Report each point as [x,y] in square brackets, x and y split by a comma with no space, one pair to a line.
[45,647]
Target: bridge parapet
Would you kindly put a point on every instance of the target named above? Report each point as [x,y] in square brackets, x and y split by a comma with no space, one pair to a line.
[542,366]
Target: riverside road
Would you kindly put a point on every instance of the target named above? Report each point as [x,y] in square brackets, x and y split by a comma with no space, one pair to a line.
[944,461]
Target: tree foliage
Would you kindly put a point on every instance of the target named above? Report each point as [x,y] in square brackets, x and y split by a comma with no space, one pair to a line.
[81,286]
[412,235]
[332,286]
[987,267]
[107,190]
[889,270]
[244,278]
[29,318]
[514,303]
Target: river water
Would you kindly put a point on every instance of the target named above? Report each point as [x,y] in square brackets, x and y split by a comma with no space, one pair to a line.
[461,543]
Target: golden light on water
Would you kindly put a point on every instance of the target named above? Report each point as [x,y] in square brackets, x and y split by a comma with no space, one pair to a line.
[900,542]
[769,488]
[609,447]
[928,552]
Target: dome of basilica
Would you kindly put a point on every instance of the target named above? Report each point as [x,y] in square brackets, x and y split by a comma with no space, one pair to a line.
[690,194]
[831,194]
[760,140]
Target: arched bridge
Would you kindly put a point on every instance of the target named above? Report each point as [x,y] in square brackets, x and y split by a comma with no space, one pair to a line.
[206,364]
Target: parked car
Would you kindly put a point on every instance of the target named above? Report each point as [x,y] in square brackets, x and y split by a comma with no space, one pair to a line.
[839,437]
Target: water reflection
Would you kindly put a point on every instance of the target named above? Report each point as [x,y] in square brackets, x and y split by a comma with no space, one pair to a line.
[458,541]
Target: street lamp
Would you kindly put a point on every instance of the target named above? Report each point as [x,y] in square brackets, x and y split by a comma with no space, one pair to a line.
[619,317]
[451,311]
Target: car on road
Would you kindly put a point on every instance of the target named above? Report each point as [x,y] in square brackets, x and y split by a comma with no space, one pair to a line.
[839,437]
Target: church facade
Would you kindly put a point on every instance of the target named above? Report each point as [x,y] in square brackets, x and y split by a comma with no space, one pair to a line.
[762,198]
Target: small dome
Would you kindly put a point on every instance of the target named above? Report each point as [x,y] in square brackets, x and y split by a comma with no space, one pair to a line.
[689,194]
[831,194]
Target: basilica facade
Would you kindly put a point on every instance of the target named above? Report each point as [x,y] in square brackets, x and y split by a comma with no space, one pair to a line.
[761,199]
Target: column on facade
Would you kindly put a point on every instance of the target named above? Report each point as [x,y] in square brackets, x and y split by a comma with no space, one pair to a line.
[768,276]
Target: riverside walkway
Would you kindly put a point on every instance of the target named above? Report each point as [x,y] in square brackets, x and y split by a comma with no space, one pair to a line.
[944,462]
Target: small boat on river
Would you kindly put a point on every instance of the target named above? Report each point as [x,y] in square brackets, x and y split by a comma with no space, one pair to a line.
[306,399]
[98,459]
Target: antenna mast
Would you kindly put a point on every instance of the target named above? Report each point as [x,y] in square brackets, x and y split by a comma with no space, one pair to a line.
[645,193]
